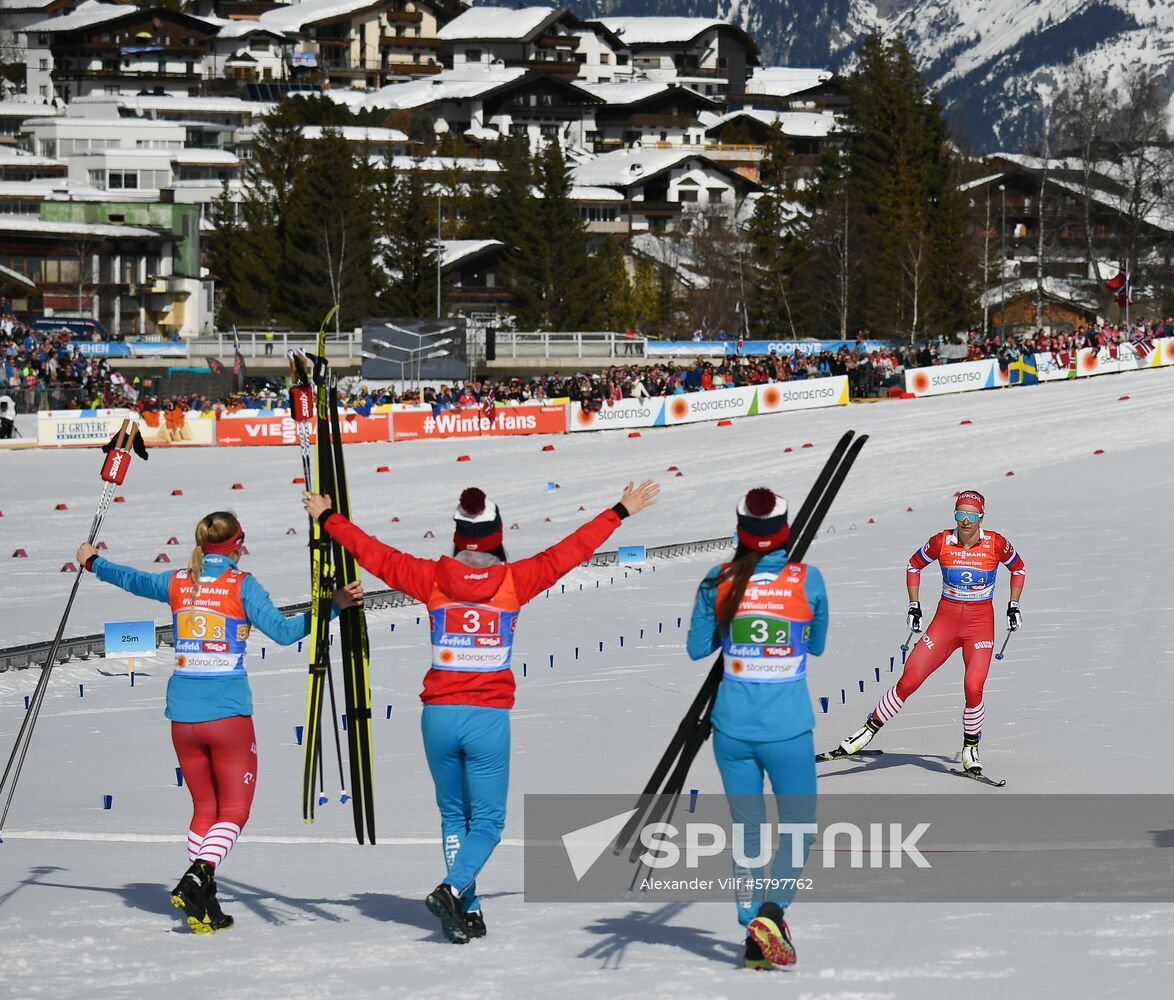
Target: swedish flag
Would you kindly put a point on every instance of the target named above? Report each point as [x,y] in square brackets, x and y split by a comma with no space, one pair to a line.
[1022,371]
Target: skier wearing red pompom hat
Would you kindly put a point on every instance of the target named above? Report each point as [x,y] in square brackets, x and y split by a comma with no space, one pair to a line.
[767,614]
[473,600]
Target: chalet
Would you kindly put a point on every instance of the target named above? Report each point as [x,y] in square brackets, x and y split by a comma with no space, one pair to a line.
[786,88]
[706,55]
[14,113]
[361,43]
[472,277]
[535,38]
[806,132]
[487,104]
[645,111]
[659,189]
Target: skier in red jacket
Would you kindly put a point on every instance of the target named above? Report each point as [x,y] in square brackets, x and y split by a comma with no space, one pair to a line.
[473,600]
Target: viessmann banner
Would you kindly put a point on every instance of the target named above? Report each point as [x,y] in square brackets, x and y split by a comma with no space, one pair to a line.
[269,429]
[422,424]
[719,404]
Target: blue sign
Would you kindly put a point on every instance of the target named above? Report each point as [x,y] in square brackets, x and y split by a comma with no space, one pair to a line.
[127,639]
[632,554]
[121,349]
[756,348]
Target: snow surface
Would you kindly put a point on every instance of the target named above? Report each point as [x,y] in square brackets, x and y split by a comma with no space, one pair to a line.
[496,24]
[83,891]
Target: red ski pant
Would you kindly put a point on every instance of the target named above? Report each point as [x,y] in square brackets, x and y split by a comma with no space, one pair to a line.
[219,761]
[957,625]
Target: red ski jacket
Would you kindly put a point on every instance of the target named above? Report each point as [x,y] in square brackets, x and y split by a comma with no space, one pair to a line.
[417,577]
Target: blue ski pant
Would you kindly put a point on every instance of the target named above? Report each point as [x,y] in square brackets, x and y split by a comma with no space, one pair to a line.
[791,767]
[468,751]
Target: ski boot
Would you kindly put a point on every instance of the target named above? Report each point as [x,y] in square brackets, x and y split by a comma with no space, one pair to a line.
[770,930]
[191,896]
[445,904]
[474,924]
[862,737]
[754,958]
[215,918]
[970,761]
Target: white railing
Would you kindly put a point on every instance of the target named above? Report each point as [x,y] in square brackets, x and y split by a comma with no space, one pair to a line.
[257,344]
[540,344]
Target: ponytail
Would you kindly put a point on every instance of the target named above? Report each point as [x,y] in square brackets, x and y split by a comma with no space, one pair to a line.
[737,574]
[218,526]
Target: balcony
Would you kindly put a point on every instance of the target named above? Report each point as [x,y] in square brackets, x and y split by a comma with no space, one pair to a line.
[190,76]
[558,42]
[403,16]
[406,42]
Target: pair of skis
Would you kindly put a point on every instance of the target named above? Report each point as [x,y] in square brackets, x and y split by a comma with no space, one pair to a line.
[867,754]
[664,788]
[118,451]
[314,400]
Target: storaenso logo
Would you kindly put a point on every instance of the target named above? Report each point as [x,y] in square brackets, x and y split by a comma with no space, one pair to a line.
[708,840]
[955,379]
[626,412]
[827,392]
[702,405]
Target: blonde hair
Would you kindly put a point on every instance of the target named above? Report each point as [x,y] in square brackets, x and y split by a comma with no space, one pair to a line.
[219,526]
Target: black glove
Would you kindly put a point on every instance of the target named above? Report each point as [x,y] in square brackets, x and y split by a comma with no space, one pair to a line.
[914,619]
[1014,615]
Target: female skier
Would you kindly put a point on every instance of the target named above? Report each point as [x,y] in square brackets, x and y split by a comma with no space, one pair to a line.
[473,600]
[214,605]
[965,619]
[767,615]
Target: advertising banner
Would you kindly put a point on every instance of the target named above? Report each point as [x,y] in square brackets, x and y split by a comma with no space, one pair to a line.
[960,377]
[783,348]
[63,428]
[804,395]
[120,349]
[421,425]
[620,414]
[719,404]
[236,430]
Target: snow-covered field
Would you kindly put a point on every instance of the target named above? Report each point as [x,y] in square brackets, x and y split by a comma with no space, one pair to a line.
[1084,691]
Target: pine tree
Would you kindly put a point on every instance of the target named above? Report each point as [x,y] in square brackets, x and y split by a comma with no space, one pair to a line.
[611,291]
[566,294]
[407,243]
[775,270]
[243,279]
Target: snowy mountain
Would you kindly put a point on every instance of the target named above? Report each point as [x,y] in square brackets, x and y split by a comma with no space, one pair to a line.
[990,59]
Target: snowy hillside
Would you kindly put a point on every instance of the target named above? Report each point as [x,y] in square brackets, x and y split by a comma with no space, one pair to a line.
[1085,684]
[988,58]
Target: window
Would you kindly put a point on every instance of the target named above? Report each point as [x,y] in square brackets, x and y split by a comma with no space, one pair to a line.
[472,55]
[43,65]
[123,179]
[64,146]
[604,58]
[112,88]
[259,45]
[686,195]
[622,59]
[98,178]
[43,90]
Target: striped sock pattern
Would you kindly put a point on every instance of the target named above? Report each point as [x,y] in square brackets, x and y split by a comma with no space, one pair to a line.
[218,842]
[194,842]
[888,706]
[973,718]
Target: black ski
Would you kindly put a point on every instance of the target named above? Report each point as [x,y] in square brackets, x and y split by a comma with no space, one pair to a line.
[979,777]
[840,754]
[353,631]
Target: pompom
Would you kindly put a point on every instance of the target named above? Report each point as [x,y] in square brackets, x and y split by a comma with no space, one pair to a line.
[760,502]
[473,501]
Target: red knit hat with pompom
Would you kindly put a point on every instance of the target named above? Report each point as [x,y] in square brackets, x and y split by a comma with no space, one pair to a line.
[762,520]
[478,522]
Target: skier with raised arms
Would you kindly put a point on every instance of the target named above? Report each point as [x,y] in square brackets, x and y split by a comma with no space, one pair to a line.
[767,615]
[969,558]
[473,600]
[214,607]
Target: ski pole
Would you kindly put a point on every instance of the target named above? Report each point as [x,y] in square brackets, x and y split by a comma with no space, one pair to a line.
[113,473]
[999,654]
[905,644]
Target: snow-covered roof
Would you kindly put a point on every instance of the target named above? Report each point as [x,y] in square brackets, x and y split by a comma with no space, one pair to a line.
[1053,288]
[205,157]
[296,16]
[438,164]
[459,84]
[12,275]
[166,102]
[356,133]
[31,189]
[68,121]
[800,124]
[498,24]
[454,251]
[625,167]
[230,28]
[12,5]
[782,81]
[87,14]
[18,157]
[42,227]
[583,193]
[979,182]
[627,91]
[26,109]
[660,30]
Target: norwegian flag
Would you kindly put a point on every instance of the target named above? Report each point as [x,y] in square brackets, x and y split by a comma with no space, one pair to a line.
[1144,347]
[488,407]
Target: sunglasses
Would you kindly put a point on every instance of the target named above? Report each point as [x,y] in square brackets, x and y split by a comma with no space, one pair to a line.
[966,517]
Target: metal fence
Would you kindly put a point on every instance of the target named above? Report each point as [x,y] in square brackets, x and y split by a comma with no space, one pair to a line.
[31,399]
[83,647]
[263,344]
[540,344]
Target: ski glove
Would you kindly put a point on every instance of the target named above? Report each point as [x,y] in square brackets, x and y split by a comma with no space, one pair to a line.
[1014,615]
[914,619]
